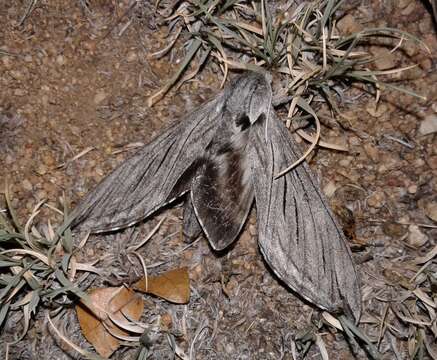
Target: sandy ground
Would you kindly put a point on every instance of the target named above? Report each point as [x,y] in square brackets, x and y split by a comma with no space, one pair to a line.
[67,86]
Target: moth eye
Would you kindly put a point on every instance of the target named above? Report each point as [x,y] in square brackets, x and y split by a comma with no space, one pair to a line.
[243,122]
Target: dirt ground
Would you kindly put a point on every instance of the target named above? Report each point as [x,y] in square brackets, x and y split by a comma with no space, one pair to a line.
[68,86]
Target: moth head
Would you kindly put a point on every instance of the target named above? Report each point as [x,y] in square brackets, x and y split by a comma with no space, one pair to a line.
[249,96]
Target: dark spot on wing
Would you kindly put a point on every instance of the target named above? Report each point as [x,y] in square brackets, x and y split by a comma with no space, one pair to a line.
[243,122]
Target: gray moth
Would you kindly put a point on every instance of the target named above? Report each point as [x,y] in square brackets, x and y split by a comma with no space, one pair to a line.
[224,157]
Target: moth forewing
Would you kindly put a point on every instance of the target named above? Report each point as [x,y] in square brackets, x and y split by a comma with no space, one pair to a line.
[157,174]
[298,234]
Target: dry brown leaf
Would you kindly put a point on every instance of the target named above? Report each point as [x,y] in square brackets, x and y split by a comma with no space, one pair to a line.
[173,285]
[118,303]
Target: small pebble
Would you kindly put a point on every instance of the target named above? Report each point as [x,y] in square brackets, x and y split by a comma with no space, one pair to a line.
[431,210]
[17,75]
[403,3]
[99,97]
[372,152]
[246,239]
[45,99]
[7,62]
[419,162]
[432,162]
[409,9]
[393,230]
[344,163]
[40,195]
[330,188]
[131,56]
[428,125]
[48,159]
[376,200]
[196,272]
[416,237]
[27,185]
[19,92]
[349,25]
[41,169]
[376,110]
[60,60]
[412,189]
[166,322]
[384,58]
[354,141]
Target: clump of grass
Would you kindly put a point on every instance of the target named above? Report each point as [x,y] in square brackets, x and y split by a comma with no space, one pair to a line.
[43,272]
[299,44]
[37,269]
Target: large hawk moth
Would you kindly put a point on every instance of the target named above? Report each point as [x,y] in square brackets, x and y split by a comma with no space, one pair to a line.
[224,157]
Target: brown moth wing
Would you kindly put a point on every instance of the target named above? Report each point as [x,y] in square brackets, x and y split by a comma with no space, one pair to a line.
[157,174]
[298,235]
[222,191]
